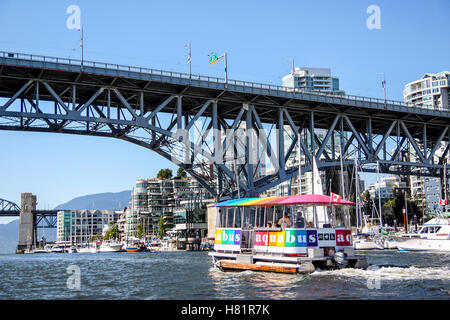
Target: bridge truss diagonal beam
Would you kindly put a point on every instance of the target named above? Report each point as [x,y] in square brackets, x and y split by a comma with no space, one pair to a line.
[198,130]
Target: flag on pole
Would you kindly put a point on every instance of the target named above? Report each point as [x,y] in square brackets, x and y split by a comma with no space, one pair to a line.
[383,84]
[443,202]
[335,197]
[213,58]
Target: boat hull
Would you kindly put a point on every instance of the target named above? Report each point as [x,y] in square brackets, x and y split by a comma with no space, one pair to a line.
[424,245]
[111,248]
[367,245]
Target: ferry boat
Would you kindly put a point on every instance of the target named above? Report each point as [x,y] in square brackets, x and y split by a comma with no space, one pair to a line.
[434,235]
[246,240]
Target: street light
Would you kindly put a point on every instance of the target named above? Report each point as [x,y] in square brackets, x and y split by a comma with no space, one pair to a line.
[383,85]
[82,47]
[189,58]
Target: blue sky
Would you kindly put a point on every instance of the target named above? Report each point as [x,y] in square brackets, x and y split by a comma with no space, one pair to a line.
[259,37]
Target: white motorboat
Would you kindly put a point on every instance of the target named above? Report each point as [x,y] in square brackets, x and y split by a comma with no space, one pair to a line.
[73,249]
[58,249]
[88,248]
[368,243]
[434,235]
[390,243]
[110,246]
[40,251]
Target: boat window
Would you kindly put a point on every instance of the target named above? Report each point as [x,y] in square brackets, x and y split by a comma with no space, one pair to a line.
[424,230]
[430,229]
[437,229]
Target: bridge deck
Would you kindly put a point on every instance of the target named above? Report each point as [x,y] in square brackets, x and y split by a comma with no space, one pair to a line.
[156,85]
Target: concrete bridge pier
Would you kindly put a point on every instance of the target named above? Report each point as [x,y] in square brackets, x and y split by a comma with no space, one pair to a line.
[27,231]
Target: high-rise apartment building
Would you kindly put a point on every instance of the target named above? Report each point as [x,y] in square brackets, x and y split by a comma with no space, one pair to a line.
[79,226]
[313,79]
[432,91]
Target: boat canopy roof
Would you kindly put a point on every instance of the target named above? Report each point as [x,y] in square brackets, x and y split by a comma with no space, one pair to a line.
[306,200]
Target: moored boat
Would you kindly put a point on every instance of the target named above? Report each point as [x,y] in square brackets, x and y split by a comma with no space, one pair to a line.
[110,246]
[133,248]
[434,235]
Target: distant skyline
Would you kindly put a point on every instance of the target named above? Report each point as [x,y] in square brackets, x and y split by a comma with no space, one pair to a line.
[260,38]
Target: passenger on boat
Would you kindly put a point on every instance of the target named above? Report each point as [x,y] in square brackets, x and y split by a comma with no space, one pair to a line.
[300,221]
[284,222]
[269,225]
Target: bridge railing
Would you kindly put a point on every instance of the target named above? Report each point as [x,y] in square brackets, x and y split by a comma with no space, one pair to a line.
[314,95]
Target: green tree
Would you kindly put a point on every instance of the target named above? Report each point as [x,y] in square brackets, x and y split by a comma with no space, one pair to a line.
[391,204]
[181,174]
[139,230]
[164,174]
[96,237]
[113,231]
[161,227]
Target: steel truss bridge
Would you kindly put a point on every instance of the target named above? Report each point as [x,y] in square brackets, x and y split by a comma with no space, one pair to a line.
[42,218]
[194,121]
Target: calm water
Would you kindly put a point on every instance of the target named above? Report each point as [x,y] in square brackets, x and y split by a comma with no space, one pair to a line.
[191,275]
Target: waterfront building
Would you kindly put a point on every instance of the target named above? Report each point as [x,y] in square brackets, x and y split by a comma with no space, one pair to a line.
[431,91]
[313,79]
[190,221]
[387,188]
[79,226]
[154,198]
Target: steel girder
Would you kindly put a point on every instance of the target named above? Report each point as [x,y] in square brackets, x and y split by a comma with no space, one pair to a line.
[222,144]
[6,205]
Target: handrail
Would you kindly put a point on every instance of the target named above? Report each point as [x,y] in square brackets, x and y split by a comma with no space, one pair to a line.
[247,84]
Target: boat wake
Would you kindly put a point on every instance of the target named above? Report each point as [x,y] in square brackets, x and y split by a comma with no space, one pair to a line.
[391,272]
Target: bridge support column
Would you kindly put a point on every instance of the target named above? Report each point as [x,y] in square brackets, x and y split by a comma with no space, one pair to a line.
[26,225]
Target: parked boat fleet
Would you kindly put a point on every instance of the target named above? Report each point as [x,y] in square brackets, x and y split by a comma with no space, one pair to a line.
[104,247]
[434,235]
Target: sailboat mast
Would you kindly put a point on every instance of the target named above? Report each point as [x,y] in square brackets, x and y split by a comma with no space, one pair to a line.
[357,191]
[379,194]
[347,221]
[445,184]
[299,166]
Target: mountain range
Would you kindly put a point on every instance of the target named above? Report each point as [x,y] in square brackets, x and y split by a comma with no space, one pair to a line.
[100,201]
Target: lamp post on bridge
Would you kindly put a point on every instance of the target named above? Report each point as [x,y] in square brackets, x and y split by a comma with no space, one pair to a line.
[383,85]
[189,59]
[82,46]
